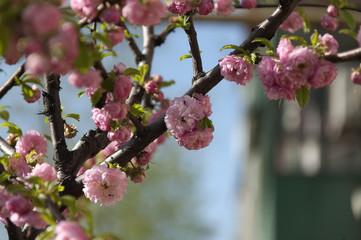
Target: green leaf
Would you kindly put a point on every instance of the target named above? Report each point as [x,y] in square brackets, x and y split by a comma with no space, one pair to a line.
[4,115]
[28,92]
[131,72]
[143,69]
[265,42]
[81,94]
[205,123]
[12,128]
[174,25]
[184,57]
[32,79]
[18,189]
[4,176]
[296,38]
[108,83]
[73,115]
[167,83]
[47,137]
[348,32]
[36,180]
[70,202]
[349,19]
[109,54]
[137,110]
[231,46]
[97,95]
[306,23]
[303,96]
[314,39]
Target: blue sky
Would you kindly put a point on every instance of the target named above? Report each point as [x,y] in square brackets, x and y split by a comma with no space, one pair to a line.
[222,161]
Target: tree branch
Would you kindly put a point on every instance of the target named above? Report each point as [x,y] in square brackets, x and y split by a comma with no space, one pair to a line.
[52,109]
[11,82]
[160,38]
[5,147]
[350,55]
[196,55]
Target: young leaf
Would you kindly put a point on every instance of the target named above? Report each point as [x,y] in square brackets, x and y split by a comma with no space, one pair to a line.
[96,96]
[81,94]
[303,96]
[12,128]
[184,57]
[131,72]
[137,110]
[28,92]
[73,115]
[231,46]
[296,38]
[265,42]
[306,23]
[167,83]
[348,32]
[108,83]
[314,39]
[4,115]
[349,19]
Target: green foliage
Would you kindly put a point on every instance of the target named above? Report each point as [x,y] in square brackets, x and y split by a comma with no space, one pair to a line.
[348,32]
[267,43]
[3,113]
[303,96]
[137,110]
[205,123]
[81,93]
[306,23]
[143,69]
[315,39]
[86,58]
[185,57]
[97,95]
[48,233]
[349,19]
[167,83]
[301,40]
[108,83]
[12,128]
[182,22]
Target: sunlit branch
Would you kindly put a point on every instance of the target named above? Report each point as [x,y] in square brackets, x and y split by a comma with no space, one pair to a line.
[5,147]
[350,55]
[11,82]
[196,55]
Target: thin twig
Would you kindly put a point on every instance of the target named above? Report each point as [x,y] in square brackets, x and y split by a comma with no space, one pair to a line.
[196,55]
[5,147]
[160,38]
[11,82]
[350,55]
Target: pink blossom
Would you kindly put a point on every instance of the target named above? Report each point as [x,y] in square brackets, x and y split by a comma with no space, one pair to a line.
[151,87]
[101,118]
[180,7]
[266,71]
[44,171]
[204,7]
[111,15]
[104,185]
[157,78]
[149,13]
[284,48]
[32,218]
[293,23]
[359,36]
[31,140]
[332,10]
[110,149]
[116,35]
[297,68]
[122,87]
[41,18]
[36,95]
[204,102]
[236,69]
[328,43]
[183,115]
[116,110]
[121,135]
[64,48]
[37,63]
[66,230]
[277,92]
[85,8]
[197,139]
[356,77]
[159,96]
[328,22]
[138,176]
[91,78]
[12,51]
[19,166]
[119,68]
[143,158]
[19,204]
[249,4]
[223,7]
[324,75]
[4,197]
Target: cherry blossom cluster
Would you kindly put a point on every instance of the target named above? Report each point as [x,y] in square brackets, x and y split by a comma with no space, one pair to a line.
[236,69]
[296,67]
[329,21]
[293,23]
[187,120]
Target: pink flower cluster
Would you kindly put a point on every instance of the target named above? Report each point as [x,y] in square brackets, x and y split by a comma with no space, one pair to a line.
[31,140]
[356,76]
[66,230]
[236,69]
[146,13]
[91,78]
[223,7]
[329,21]
[104,185]
[85,8]
[153,86]
[296,67]
[181,7]
[293,23]
[183,119]
[249,4]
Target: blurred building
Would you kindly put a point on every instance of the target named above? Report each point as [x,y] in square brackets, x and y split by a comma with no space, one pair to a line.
[302,176]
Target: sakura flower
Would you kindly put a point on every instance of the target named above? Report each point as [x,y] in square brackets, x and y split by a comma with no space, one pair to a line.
[101,118]
[66,230]
[116,35]
[121,135]
[249,4]
[328,43]
[180,7]
[157,78]
[85,8]
[44,171]
[147,13]
[204,101]
[324,74]
[293,23]
[332,10]
[19,166]
[38,63]
[284,48]
[41,18]
[91,78]
[104,185]
[32,218]
[151,87]
[138,175]
[31,140]
[197,139]
[4,197]
[236,69]
[356,77]
[223,7]
[116,110]
[330,23]
[122,87]
[36,95]
[18,204]
[111,15]
[204,7]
